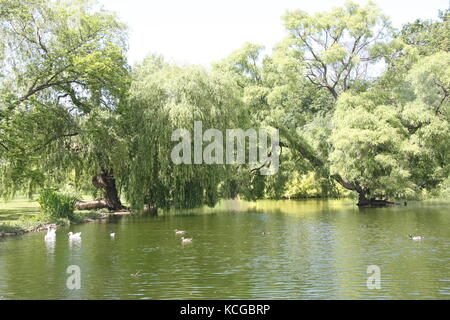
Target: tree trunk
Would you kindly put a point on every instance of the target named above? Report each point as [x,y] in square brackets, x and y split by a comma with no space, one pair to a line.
[91,205]
[151,210]
[364,202]
[308,153]
[107,182]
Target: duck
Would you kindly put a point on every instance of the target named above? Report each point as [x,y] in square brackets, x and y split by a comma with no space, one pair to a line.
[51,234]
[112,234]
[415,238]
[186,240]
[74,236]
[180,232]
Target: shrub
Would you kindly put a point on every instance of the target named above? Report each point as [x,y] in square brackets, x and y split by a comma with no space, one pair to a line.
[57,205]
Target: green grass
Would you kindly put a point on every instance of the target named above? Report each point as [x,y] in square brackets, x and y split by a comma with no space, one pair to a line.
[18,215]
[18,208]
[23,214]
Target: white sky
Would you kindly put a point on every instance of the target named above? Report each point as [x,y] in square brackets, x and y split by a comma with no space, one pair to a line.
[203,31]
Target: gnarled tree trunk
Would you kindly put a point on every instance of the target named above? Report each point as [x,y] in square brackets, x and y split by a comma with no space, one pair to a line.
[307,152]
[107,183]
[364,202]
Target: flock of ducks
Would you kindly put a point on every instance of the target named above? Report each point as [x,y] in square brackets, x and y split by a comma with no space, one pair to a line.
[51,235]
[189,240]
[183,239]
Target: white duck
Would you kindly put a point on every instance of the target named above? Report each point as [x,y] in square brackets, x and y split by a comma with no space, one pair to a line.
[51,234]
[74,236]
[112,234]
[186,240]
[415,238]
[180,232]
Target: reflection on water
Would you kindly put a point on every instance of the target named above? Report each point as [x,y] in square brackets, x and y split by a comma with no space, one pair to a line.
[50,244]
[75,244]
[265,250]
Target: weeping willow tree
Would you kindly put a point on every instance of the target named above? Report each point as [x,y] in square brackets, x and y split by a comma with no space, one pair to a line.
[63,78]
[165,98]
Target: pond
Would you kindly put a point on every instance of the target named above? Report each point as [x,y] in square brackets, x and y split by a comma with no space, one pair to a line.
[311,249]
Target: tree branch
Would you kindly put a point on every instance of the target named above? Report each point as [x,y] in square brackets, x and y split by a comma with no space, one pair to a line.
[56,138]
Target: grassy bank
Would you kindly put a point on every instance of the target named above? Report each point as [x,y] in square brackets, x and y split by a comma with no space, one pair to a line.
[18,215]
[21,215]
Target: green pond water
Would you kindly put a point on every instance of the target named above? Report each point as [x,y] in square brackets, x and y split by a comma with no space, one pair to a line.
[310,250]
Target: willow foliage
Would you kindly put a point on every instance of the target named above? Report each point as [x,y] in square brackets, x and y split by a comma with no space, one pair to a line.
[396,146]
[63,77]
[165,98]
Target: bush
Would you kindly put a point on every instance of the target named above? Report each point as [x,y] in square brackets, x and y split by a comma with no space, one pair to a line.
[57,205]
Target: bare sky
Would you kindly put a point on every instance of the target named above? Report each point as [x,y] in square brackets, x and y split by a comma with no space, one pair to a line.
[203,31]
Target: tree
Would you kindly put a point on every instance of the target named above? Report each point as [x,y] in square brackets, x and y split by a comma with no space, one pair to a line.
[62,67]
[367,141]
[428,36]
[338,112]
[387,145]
[337,48]
[165,98]
[427,119]
[296,89]
[71,110]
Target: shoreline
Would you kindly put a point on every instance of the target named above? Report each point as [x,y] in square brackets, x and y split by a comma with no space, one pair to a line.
[42,226]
